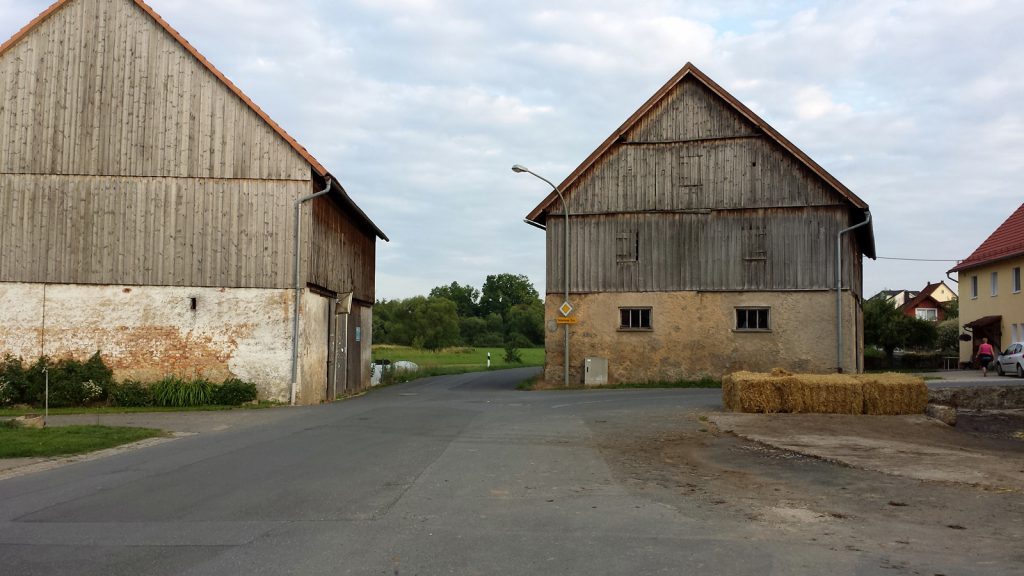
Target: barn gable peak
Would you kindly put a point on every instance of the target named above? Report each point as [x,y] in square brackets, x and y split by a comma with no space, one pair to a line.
[750,121]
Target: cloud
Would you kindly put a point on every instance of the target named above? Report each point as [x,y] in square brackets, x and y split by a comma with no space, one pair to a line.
[420,107]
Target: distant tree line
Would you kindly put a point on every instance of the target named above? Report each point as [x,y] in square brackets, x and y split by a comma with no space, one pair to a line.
[506,311]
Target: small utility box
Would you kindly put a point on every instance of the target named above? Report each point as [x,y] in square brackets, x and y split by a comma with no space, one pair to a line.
[595,371]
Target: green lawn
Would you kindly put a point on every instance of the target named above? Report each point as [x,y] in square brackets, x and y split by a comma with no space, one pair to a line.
[64,440]
[461,359]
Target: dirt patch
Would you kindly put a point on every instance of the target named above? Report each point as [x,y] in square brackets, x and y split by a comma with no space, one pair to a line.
[1001,424]
[910,446]
[766,493]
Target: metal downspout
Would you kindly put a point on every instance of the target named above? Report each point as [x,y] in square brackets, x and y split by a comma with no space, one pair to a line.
[839,290]
[298,289]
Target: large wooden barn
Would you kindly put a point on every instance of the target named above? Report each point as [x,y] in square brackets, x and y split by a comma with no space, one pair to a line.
[148,211]
[701,242]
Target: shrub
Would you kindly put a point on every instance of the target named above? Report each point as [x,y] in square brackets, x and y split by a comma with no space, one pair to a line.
[12,371]
[72,382]
[8,393]
[234,392]
[130,393]
[512,346]
[177,392]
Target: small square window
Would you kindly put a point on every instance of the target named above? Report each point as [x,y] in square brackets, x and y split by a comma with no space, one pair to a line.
[634,318]
[752,319]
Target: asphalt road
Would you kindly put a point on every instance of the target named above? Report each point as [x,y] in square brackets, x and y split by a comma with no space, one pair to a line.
[465,475]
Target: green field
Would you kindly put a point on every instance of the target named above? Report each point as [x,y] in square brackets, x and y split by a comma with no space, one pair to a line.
[64,440]
[462,359]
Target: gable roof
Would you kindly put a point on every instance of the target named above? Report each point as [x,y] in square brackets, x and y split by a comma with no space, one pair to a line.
[930,288]
[1006,242]
[689,70]
[921,298]
[301,150]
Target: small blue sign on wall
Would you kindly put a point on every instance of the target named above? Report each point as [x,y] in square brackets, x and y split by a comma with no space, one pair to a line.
[359,333]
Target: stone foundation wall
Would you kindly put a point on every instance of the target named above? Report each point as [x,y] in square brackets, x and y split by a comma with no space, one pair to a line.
[693,335]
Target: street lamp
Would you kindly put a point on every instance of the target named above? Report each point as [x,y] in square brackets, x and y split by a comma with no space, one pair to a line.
[565,249]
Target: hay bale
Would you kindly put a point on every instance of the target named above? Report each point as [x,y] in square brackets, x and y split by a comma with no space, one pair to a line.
[822,394]
[891,393]
[781,391]
[728,393]
[751,392]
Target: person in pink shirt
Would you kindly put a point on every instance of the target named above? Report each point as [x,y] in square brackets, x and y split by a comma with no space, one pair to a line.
[985,355]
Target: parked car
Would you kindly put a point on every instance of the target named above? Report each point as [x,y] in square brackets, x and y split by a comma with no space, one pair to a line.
[1011,361]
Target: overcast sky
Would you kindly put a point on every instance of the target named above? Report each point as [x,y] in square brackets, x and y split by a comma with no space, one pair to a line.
[420,108]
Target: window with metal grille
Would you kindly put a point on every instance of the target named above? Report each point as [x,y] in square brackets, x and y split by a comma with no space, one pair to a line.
[752,319]
[634,318]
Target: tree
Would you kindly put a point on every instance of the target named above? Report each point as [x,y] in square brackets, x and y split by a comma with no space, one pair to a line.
[503,291]
[465,297]
[527,321]
[952,309]
[948,335]
[430,323]
[889,329]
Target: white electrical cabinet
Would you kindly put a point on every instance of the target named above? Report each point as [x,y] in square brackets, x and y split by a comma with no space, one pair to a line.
[595,371]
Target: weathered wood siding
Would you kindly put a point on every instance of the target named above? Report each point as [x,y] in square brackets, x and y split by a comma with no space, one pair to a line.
[124,160]
[342,254]
[762,249]
[710,202]
[100,88]
[157,231]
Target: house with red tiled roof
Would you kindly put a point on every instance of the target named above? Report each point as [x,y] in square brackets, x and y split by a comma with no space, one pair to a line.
[991,303]
[152,211]
[930,303]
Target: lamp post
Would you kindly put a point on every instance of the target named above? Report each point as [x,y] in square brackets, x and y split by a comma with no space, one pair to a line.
[565,259]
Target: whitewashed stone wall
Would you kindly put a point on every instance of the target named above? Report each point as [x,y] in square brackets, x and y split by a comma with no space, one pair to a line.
[147,332]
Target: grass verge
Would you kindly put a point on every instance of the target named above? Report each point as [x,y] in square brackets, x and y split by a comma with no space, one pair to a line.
[23,410]
[65,440]
[456,360]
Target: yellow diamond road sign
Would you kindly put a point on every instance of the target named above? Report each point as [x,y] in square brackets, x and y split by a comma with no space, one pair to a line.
[565,308]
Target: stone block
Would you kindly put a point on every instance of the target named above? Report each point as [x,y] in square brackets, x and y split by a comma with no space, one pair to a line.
[944,414]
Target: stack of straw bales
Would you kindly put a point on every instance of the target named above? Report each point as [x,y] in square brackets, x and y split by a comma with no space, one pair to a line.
[781,391]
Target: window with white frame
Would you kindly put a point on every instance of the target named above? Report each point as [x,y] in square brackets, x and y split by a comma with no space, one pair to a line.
[930,314]
[974,287]
[1016,280]
[753,319]
[995,283]
[1013,331]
